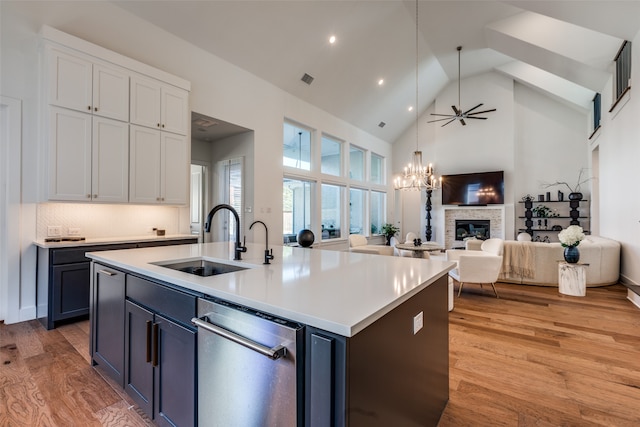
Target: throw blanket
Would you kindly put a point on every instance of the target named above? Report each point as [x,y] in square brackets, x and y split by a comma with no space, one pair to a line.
[518,259]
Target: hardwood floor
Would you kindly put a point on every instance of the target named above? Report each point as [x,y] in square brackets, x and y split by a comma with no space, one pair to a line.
[534,357]
[531,357]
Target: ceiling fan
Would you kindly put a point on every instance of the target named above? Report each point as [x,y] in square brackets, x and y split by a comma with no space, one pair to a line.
[459,114]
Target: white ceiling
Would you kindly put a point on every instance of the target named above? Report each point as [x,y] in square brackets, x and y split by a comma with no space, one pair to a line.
[563,48]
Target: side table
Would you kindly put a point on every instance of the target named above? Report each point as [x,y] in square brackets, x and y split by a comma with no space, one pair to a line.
[572,279]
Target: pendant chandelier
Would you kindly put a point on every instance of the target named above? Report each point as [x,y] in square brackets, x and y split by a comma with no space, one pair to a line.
[416,176]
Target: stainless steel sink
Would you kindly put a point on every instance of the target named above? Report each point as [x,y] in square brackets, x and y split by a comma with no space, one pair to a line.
[201,267]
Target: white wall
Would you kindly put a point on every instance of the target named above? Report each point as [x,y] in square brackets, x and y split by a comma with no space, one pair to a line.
[619,151]
[219,90]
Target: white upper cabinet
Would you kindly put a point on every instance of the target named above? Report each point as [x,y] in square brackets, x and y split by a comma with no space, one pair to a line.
[157,174]
[110,161]
[115,129]
[70,157]
[160,106]
[110,93]
[77,83]
[90,157]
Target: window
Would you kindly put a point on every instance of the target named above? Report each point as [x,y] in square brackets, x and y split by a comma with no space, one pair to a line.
[331,201]
[296,147]
[377,169]
[356,163]
[378,211]
[623,71]
[357,205]
[296,209]
[331,160]
[596,112]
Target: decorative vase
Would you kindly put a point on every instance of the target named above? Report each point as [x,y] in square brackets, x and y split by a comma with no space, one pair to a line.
[571,254]
[575,196]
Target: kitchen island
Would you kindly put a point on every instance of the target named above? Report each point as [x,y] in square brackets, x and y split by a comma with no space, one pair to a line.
[375,328]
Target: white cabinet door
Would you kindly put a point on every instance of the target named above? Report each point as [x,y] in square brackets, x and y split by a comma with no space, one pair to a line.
[110,166]
[70,80]
[69,155]
[145,102]
[144,169]
[174,170]
[111,92]
[174,110]
[158,105]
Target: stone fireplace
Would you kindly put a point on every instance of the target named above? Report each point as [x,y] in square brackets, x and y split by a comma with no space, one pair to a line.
[491,215]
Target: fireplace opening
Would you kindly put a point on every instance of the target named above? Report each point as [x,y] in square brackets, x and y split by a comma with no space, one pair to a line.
[467,228]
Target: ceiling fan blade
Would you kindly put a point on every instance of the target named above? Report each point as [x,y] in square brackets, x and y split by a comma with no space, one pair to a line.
[462,122]
[477,118]
[440,120]
[448,122]
[444,115]
[456,110]
[471,109]
[480,112]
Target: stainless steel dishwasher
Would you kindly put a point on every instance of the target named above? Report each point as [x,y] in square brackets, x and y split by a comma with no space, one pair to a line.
[247,369]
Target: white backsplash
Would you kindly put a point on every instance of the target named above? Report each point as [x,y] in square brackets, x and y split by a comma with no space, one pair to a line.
[97,220]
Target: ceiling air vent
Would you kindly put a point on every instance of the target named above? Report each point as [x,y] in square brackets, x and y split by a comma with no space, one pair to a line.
[307,78]
[382,124]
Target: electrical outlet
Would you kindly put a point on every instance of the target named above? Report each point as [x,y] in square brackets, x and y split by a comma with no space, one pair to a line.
[74,231]
[418,322]
[54,231]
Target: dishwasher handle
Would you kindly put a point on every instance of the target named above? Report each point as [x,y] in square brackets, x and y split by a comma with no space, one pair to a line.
[273,353]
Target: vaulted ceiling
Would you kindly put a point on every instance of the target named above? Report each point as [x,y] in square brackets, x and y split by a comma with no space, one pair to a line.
[562,48]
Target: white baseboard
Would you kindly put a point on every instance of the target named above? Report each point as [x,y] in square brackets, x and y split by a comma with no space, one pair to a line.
[27,313]
[633,297]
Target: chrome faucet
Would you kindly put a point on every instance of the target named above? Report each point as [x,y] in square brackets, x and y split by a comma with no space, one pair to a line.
[207,227]
[268,254]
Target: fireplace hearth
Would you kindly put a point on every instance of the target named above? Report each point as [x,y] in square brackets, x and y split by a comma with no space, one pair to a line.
[468,228]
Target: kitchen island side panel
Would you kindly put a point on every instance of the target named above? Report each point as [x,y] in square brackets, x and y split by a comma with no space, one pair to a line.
[396,377]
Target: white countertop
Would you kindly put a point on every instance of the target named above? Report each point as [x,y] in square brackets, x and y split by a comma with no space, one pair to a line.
[341,292]
[111,240]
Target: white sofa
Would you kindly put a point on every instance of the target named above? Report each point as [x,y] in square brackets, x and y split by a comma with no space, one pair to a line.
[602,255]
[359,243]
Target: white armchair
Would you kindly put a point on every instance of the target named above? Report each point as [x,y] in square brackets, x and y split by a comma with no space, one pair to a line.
[480,267]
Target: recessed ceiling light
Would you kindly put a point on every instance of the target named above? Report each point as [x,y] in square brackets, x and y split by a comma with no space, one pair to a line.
[332,39]
[410,108]
[380,82]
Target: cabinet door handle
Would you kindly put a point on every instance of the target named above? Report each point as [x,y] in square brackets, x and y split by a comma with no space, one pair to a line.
[95,196]
[149,323]
[163,125]
[88,196]
[108,273]
[156,334]
[95,109]
[158,124]
[89,107]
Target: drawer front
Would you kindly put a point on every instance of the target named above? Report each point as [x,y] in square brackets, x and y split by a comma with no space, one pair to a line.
[172,303]
[151,244]
[76,254]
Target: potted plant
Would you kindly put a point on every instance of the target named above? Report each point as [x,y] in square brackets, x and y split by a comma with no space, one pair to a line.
[575,193]
[389,230]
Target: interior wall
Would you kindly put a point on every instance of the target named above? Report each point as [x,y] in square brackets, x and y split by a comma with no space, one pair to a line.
[619,151]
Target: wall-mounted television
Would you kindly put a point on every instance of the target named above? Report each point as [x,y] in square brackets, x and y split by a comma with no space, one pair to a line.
[473,189]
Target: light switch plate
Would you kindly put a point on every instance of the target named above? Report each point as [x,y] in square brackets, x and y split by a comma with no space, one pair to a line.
[418,322]
[74,231]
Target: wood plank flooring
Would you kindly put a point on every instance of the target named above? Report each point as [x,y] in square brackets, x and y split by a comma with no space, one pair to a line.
[535,357]
[530,358]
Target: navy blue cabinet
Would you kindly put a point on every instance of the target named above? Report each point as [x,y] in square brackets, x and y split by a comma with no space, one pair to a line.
[107,321]
[160,351]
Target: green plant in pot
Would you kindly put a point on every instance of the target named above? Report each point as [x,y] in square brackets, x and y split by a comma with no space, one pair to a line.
[389,230]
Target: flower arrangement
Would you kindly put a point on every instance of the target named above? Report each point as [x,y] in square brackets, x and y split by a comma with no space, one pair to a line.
[571,236]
